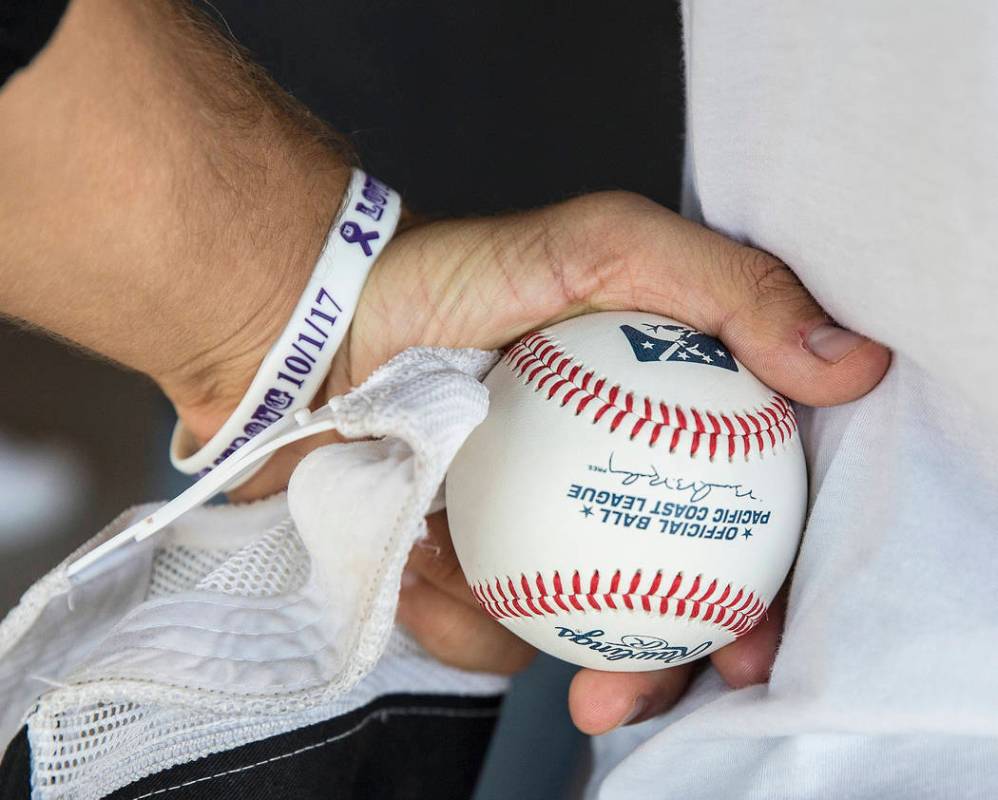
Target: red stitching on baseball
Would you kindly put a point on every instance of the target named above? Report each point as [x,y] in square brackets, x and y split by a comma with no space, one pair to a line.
[537,354]
[674,443]
[733,610]
[680,418]
[569,395]
[547,376]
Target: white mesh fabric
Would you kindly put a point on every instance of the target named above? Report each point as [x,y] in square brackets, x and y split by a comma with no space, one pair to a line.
[178,568]
[79,737]
[276,564]
[238,625]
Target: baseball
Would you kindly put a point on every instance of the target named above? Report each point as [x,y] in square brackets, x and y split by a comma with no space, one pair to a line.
[634,498]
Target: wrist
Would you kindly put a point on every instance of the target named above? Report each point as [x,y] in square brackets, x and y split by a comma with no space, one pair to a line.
[208,383]
[293,372]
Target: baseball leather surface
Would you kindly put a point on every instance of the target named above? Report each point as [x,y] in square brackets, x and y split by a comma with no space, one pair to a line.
[634,498]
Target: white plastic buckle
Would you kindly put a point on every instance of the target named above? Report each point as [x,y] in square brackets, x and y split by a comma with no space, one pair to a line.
[302,424]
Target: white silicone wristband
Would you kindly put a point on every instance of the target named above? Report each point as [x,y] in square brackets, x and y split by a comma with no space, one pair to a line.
[296,366]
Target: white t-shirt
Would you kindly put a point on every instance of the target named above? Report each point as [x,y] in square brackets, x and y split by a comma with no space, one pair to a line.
[859,143]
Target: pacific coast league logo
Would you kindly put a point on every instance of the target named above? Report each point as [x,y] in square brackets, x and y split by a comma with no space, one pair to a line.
[678,343]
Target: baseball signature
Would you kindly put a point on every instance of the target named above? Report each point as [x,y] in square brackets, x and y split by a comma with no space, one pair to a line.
[697,490]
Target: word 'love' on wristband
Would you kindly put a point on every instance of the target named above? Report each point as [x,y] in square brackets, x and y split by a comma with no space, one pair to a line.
[296,366]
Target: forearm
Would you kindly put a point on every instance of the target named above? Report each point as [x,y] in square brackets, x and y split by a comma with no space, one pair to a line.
[161,202]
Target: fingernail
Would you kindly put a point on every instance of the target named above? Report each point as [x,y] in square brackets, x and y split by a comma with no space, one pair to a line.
[832,343]
[409,579]
[639,708]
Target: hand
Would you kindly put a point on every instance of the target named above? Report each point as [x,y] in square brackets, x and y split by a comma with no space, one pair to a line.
[483,283]
[188,249]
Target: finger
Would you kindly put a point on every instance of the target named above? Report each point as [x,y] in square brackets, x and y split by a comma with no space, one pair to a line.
[651,259]
[602,701]
[749,659]
[778,330]
[458,634]
[433,559]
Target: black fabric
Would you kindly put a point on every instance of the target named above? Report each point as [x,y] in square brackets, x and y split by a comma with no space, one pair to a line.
[397,747]
[15,769]
[481,107]
[25,27]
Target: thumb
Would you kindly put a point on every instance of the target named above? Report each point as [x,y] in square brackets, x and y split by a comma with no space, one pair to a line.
[746,297]
[776,328]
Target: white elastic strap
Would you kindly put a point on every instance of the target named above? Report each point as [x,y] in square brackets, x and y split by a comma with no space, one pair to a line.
[228,474]
[296,366]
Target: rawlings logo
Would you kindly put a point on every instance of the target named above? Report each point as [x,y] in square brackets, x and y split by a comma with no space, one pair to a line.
[678,343]
[632,646]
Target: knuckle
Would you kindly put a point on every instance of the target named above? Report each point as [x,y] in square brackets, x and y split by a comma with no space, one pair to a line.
[554,244]
[765,280]
[583,249]
[592,252]
[616,202]
[481,645]
[439,567]
[447,570]
[608,219]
